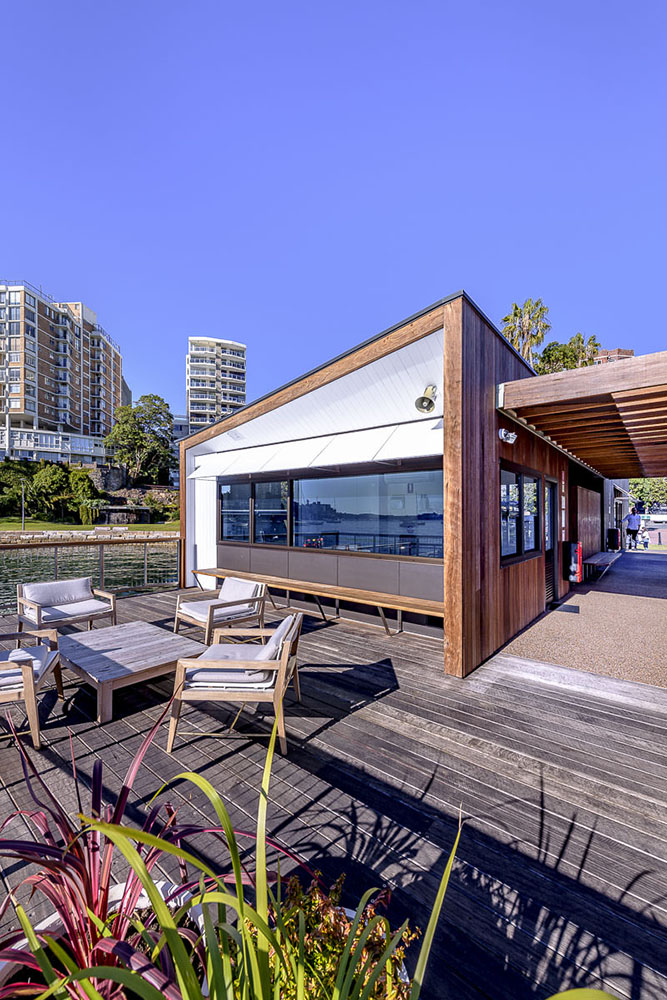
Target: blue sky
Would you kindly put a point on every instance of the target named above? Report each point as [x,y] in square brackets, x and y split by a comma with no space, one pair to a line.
[299,176]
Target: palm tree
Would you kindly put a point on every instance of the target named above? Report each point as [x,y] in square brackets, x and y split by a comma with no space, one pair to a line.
[527,326]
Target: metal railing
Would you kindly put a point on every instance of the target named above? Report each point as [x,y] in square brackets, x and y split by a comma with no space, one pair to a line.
[115,564]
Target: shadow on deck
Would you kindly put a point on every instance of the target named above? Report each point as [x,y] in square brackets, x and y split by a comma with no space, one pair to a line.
[560,879]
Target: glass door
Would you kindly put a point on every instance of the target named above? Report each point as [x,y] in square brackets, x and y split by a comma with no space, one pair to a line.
[550,541]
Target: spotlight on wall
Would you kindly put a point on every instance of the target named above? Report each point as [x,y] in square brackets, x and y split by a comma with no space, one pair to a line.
[426,403]
[509,437]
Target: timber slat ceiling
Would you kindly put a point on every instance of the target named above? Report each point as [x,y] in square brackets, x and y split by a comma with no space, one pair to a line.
[611,416]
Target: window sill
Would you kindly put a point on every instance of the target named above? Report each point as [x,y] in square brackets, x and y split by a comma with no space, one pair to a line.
[513,560]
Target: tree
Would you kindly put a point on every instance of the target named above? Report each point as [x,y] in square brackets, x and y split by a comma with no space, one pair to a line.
[526,326]
[142,438]
[49,494]
[649,490]
[577,353]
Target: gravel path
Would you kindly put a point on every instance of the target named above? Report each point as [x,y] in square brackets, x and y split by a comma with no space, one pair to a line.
[616,627]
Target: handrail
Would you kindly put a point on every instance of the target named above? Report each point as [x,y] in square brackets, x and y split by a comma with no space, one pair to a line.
[51,543]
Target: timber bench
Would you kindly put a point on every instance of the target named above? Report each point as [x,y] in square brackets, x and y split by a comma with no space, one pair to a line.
[600,563]
[393,602]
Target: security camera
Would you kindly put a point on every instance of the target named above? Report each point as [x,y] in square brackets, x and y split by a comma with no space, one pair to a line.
[509,437]
[426,403]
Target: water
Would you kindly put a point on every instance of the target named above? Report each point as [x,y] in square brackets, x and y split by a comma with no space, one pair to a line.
[123,566]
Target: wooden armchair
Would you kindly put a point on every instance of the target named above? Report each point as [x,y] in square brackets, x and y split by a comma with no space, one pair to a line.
[237,602]
[240,672]
[62,602]
[23,672]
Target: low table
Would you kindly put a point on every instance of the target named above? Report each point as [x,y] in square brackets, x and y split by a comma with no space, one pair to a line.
[113,657]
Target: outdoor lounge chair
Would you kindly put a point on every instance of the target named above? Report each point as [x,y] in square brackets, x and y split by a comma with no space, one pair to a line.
[23,672]
[236,602]
[63,602]
[240,672]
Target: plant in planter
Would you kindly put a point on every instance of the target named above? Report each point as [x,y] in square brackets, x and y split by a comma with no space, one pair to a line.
[227,935]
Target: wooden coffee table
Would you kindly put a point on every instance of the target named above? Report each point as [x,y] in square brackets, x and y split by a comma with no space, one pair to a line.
[113,657]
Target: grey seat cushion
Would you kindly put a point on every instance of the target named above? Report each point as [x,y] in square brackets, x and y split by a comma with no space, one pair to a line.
[59,592]
[234,589]
[199,610]
[77,609]
[231,678]
[42,658]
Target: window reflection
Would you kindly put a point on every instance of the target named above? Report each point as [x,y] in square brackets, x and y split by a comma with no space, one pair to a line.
[235,512]
[391,513]
[509,512]
[271,501]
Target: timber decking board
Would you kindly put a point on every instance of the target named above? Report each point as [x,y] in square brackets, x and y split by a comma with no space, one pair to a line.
[382,752]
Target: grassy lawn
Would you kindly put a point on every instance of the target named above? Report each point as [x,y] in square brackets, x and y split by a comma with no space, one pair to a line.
[14,524]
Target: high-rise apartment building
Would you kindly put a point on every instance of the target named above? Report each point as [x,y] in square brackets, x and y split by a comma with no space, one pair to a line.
[61,373]
[215,372]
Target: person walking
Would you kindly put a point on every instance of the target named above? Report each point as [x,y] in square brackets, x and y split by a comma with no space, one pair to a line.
[644,537]
[634,524]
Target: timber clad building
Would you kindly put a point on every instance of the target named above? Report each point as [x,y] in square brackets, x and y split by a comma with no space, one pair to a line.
[427,472]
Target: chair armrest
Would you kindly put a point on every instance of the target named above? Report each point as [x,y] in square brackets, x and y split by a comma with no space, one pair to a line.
[258,665]
[226,633]
[50,634]
[106,594]
[23,602]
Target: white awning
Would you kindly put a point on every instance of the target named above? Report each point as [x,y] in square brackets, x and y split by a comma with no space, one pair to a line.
[417,439]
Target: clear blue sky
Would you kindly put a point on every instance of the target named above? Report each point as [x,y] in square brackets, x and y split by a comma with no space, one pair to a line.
[300,175]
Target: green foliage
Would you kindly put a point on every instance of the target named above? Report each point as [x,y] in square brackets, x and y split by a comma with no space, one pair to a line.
[142,439]
[649,490]
[577,353]
[526,326]
[81,485]
[49,493]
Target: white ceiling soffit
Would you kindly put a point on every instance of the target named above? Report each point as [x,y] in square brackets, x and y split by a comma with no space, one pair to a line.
[418,439]
[381,393]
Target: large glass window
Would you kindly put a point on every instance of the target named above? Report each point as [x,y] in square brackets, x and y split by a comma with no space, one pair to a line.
[509,513]
[392,513]
[235,512]
[530,514]
[519,513]
[271,502]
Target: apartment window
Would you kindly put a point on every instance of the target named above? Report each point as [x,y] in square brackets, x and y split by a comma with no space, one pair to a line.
[2,298]
[13,329]
[29,314]
[14,359]
[29,405]
[14,404]
[30,299]
[14,312]
[2,314]
[15,387]
[519,513]
[29,331]
[235,512]
[270,520]
[14,298]
[14,374]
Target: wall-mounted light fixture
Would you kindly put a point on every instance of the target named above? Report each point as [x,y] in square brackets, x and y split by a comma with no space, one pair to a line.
[509,437]
[426,403]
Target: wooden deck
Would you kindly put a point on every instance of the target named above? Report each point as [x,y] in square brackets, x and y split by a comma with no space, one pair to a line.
[562,871]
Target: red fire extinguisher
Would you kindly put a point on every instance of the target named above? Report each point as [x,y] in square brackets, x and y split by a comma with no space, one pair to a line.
[573,562]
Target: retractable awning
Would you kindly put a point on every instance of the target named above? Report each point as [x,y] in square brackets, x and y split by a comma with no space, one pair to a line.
[417,439]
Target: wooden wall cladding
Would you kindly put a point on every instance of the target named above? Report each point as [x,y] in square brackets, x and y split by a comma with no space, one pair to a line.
[589,520]
[486,603]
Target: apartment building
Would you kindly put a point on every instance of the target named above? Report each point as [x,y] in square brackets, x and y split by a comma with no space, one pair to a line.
[605,356]
[61,372]
[215,372]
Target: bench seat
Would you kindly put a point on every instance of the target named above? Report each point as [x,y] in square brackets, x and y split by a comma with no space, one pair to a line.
[394,602]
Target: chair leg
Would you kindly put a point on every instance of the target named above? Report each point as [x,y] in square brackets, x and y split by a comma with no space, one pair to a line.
[173,723]
[58,677]
[177,622]
[90,624]
[33,720]
[282,736]
[297,683]
[20,629]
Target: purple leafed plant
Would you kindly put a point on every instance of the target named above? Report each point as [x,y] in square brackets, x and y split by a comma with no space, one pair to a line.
[93,916]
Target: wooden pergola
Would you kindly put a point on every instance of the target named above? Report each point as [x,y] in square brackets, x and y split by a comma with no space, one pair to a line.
[613,416]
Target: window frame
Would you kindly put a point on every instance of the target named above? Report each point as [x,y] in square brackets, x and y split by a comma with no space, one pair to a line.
[416,465]
[522,555]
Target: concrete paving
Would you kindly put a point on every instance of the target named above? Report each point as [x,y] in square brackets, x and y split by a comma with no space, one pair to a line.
[616,627]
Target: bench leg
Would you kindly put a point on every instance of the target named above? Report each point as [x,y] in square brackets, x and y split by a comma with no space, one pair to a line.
[319,604]
[386,625]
